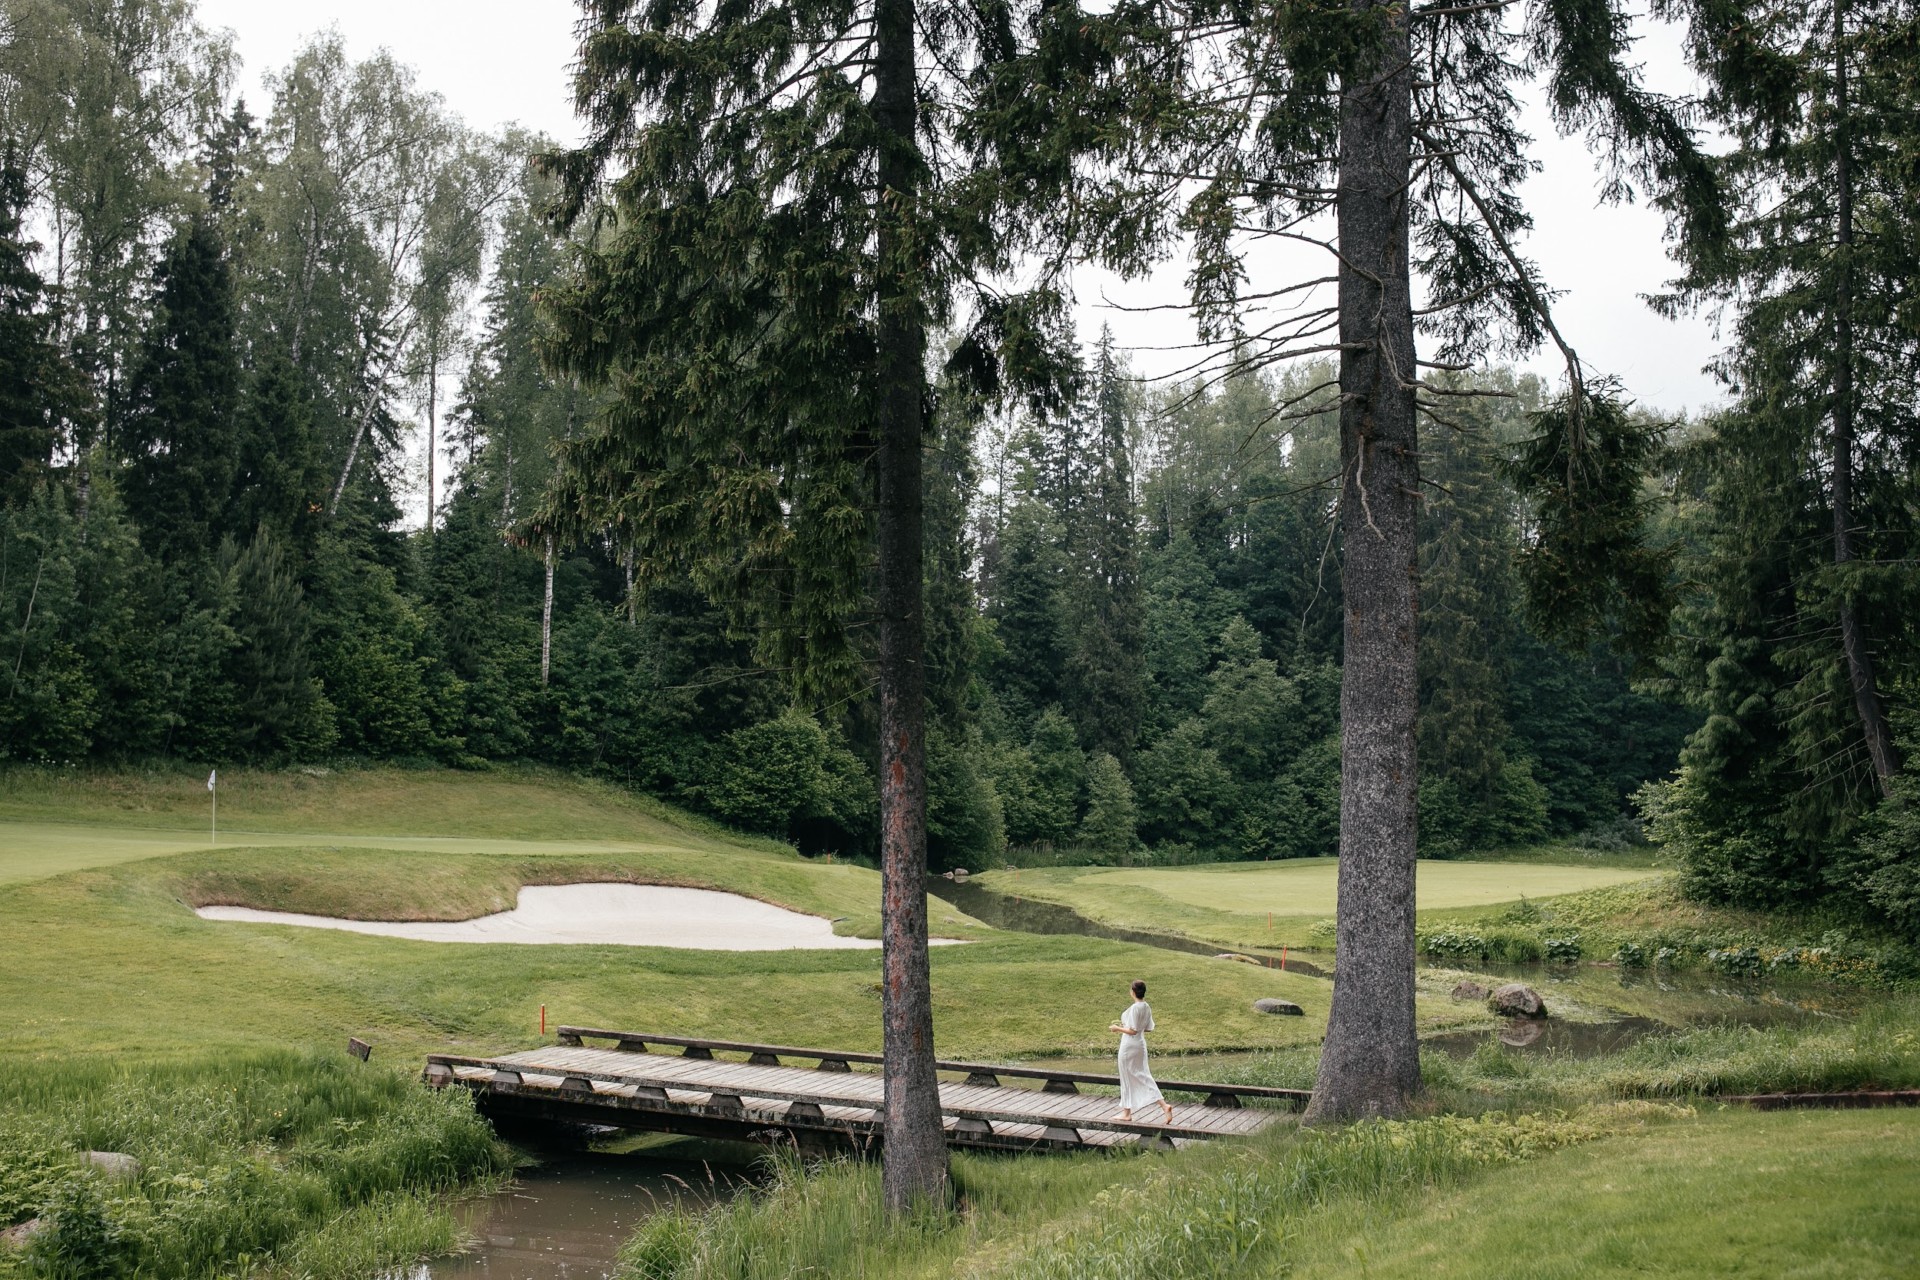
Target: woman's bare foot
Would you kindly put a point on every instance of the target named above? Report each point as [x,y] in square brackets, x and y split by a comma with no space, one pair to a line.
[1168,1108]
[1123,1115]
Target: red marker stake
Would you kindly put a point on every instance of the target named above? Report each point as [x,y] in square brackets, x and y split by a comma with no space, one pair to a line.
[543,1019]
[1283,957]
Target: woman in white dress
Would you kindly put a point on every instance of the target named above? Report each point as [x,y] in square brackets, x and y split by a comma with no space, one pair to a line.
[1137,1088]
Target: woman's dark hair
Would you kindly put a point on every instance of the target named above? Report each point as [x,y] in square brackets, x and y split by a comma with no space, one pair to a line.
[1139,990]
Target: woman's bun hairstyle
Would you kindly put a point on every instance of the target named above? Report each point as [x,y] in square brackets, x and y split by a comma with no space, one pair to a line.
[1139,990]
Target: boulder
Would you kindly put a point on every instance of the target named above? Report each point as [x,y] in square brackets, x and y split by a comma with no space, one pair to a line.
[115,1165]
[17,1237]
[1517,1000]
[1470,991]
[1235,955]
[1287,1007]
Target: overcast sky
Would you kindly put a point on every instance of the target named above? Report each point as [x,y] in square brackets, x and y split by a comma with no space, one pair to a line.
[497,61]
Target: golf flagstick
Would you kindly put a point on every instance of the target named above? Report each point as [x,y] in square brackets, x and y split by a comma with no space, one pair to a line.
[213,822]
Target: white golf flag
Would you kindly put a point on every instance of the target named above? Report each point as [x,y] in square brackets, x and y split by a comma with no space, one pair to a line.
[211,774]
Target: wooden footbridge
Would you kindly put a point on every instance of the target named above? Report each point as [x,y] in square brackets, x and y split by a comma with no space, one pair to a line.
[637,1084]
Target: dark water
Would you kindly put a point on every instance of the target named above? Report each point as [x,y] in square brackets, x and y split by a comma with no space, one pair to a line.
[566,1219]
[1024,915]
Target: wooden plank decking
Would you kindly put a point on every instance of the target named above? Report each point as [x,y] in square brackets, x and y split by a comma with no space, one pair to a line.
[696,1093]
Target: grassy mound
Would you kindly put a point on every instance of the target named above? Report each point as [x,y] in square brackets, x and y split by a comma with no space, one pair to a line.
[506,803]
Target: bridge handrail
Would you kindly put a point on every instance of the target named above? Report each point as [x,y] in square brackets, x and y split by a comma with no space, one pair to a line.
[573,1035]
[776,1093]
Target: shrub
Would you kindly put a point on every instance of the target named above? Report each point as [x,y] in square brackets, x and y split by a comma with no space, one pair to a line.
[1738,962]
[1562,950]
[1630,955]
[1454,944]
[1514,946]
[77,1240]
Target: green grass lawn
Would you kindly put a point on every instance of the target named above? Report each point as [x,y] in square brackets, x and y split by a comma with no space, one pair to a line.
[1793,1194]
[1230,903]
[110,958]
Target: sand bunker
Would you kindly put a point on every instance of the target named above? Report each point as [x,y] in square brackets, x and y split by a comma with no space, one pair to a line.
[626,915]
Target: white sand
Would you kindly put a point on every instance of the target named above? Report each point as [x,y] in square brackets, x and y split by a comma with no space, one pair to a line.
[626,915]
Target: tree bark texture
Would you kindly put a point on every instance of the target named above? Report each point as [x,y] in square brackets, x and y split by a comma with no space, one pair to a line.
[1853,640]
[914,1159]
[1370,1064]
[546,619]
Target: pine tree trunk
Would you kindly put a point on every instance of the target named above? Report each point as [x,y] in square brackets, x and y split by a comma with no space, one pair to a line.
[1853,640]
[546,619]
[633,610]
[914,1156]
[1370,1064]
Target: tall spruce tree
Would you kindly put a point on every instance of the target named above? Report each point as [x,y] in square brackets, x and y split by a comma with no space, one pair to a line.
[1106,666]
[41,393]
[794,208]
[182,431]
[1818,101]
[1400,125]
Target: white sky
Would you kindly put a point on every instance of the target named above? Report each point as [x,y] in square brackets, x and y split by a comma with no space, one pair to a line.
[500,61]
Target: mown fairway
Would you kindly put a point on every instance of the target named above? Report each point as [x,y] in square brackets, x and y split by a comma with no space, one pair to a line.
[1229,903]
[111,957]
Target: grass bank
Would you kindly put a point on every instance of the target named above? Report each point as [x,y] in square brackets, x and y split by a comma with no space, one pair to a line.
[1796,1194]
[1650,926]
[1599,1167]
[275,1164]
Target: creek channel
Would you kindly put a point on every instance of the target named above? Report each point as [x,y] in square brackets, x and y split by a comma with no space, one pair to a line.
[566,1218]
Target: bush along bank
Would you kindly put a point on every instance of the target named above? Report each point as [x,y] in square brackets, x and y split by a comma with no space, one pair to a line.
[1650,925]
[279,1164]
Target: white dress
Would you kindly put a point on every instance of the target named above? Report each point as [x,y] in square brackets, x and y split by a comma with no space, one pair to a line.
[1137,1088]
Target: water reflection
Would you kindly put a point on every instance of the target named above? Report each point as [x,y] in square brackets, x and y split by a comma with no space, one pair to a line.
[566,1220]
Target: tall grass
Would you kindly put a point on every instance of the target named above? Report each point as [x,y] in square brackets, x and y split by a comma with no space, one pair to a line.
[1196,1214]
[269,1163]
[1233,1208]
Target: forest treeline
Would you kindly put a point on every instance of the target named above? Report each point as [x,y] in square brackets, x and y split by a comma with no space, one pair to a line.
[239,343]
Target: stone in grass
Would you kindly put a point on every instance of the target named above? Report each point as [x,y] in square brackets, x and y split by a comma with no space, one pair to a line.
[1517,1000]
[18,1237]
[115,1165]
[1235,955]
[1279,1006]
[1469,991]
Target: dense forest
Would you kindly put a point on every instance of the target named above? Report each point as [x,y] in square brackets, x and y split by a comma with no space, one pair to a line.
[278,430]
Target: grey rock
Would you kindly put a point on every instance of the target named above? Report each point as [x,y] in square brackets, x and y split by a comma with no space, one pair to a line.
[1517,1000]
[1235,955]
[18,1236]
[115,1165]
[1279,1006]
[1470,991]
